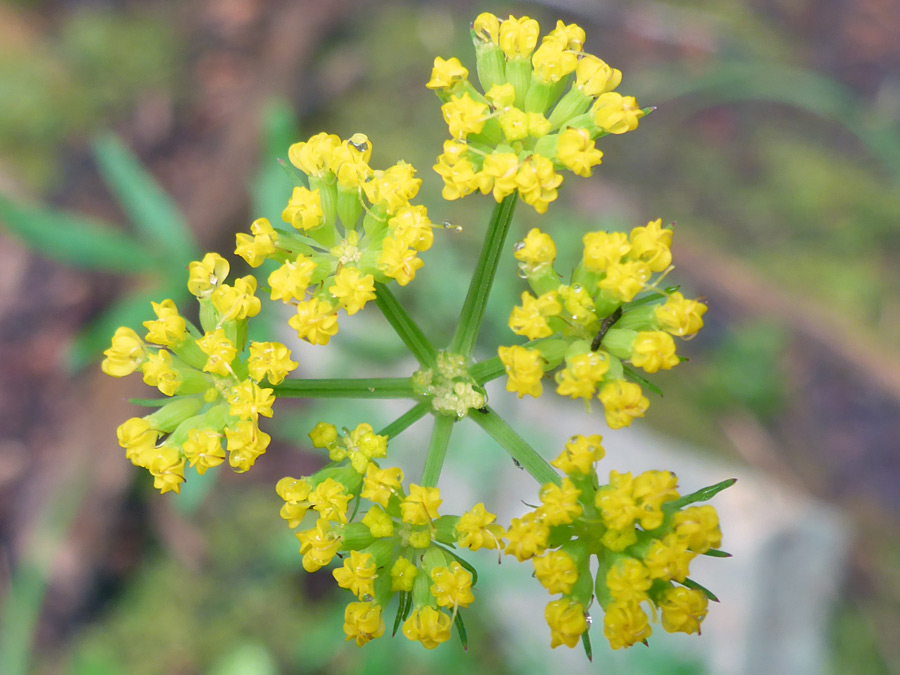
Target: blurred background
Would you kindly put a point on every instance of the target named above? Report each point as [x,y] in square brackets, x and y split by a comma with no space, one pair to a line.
[135,135]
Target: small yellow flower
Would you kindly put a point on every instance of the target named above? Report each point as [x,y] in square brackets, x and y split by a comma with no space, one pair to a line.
[248,401]
[537,251]
[206,275]
[579,454]
[315,321]
[319,545]
[379,484]
[446,73]
[304,209]
[138,438]
[537,182]
[604,249]
[290,281]
[428,625]
[683,609]
[295,493]
[616,114]
[651,244]
[680,316]
[352,289]
[420,507]
[398,261]
[363,622]
[654,351]
[357,574]
[245,442]
[476,529]
[625,280]
[169,329]
[560,503]
[159,372]
[464,115]
[237,302]
[203,449]
[125,355]
[518,37]
[594,77]
[271,360]
[625,625]
[255,249]
[556,571]
[330,499]
[526,537]
[403,574]
[220,352]
[577,151]
[167,467]
[452,586]
[567,622]
[524,370]
[628,581]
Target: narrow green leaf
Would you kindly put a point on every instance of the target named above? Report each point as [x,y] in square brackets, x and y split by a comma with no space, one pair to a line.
[586,643]
[632,375]
[297,177]
[155,216]
[716,553]
[461,631]
[701,495]
[74,240]
[271,188]
[690,583]
[643,300]
[403,603]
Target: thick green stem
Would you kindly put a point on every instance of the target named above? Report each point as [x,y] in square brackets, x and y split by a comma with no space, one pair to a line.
[526,456]
[405,327]
[437,449]
[480,287]
[406,420]
[375,387]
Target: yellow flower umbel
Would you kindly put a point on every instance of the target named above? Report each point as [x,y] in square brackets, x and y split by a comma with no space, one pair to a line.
[216,374]
[350,227]
[641,531]
[392,540]
[543,106]
[610,318]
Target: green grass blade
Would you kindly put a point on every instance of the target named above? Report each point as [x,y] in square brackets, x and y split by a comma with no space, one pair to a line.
[74,240]
[155,216]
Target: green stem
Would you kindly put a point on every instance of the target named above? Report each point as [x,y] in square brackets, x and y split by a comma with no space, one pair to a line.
[516,446]
[406,420]
[480,287]
[375,387]
[437,449]
[487,370]
[405,327]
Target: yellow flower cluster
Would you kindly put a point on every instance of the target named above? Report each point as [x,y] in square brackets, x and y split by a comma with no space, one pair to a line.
[543,107]
[398,546]
[213,376]
[643,534]
[352,226]
[610,316]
